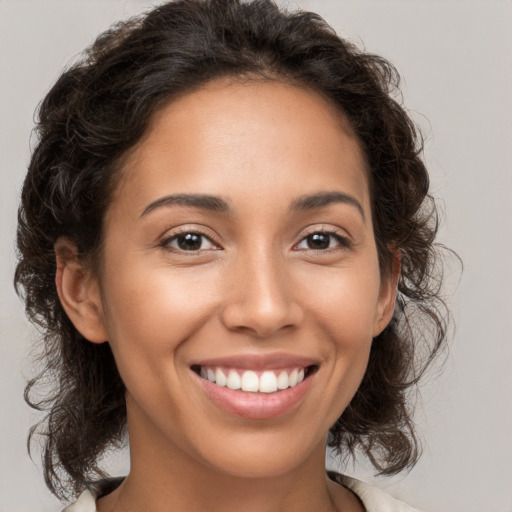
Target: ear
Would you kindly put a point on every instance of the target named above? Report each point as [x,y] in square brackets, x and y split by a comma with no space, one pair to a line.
[79,292]
[387,294]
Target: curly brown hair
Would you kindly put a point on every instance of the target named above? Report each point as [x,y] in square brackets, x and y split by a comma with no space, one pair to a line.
[100,107]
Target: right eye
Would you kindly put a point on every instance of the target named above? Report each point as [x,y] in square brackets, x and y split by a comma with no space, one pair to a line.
[190,242]
[323,241]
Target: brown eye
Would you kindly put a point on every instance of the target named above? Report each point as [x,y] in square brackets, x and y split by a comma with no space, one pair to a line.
[318,241]
[189,242]
[322,240]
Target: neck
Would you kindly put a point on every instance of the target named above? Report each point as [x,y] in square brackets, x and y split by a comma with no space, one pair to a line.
[165,478]
[181,484]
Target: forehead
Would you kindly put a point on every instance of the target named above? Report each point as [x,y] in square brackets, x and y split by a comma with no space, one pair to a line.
[233,137]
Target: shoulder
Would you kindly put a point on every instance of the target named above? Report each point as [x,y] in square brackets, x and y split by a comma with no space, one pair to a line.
[373,498]
[86,502]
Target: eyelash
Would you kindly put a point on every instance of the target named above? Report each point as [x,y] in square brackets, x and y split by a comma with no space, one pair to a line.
[183,233]
[342,241]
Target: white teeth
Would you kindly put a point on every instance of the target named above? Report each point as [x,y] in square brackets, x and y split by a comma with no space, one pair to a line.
[282,380]
[234,381]
[292,379]
[220,378]
[268,382]
[250,381]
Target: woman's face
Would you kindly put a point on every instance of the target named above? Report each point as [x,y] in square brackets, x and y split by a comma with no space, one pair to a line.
[239,246]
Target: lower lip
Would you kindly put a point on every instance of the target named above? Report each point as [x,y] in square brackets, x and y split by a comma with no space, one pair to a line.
[257,406]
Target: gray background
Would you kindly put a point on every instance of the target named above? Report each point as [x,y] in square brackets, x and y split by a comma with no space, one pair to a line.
[455,57]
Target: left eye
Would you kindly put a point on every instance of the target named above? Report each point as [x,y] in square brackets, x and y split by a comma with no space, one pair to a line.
[190,242]
[321,241]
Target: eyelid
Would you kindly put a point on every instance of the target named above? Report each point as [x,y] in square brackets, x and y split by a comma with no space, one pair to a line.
[343,238]
[173,233]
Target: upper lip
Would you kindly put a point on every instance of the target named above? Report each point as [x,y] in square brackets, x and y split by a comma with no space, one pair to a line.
[259,361]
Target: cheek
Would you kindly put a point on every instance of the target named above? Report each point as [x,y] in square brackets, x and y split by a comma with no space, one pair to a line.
[345,302]
[344,312]
[150,311]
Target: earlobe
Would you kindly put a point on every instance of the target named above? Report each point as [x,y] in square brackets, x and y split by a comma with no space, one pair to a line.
[387,294]
[79,293]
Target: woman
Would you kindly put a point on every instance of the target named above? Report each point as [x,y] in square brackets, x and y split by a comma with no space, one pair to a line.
[227,237]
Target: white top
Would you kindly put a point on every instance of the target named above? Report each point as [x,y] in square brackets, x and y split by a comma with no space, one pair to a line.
[373,498]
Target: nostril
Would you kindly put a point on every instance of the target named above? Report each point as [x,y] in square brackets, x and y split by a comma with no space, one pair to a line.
[261,312]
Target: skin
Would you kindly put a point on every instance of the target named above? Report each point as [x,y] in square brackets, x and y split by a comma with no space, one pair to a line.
[254,287]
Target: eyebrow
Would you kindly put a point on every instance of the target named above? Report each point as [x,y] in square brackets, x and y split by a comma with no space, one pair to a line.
[216,204]
[201,201]
[322,199]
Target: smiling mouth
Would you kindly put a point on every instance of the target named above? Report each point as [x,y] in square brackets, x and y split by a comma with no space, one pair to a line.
[255,381]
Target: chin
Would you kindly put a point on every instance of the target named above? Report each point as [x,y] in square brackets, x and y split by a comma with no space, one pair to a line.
[258,462]
[266,452]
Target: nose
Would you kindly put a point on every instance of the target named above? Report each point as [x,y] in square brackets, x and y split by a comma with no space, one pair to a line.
[260,297]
